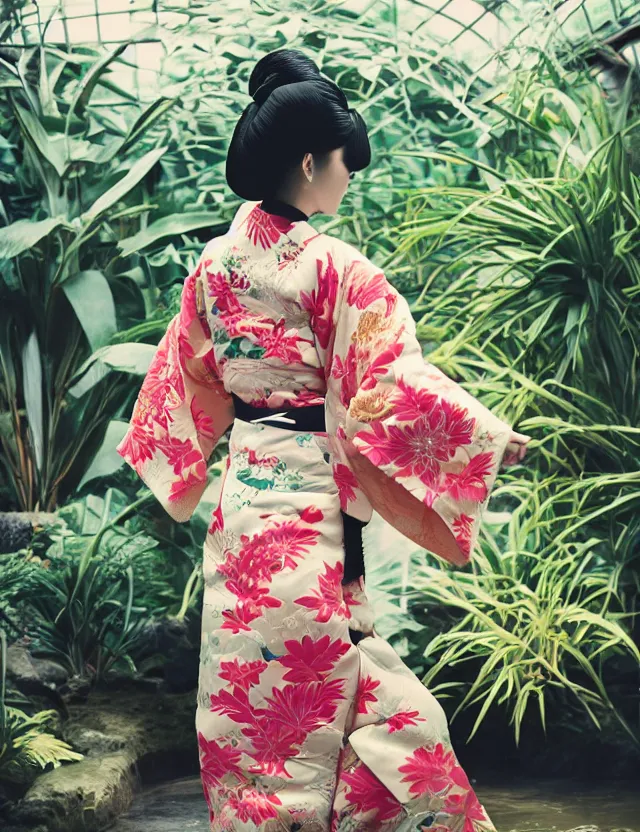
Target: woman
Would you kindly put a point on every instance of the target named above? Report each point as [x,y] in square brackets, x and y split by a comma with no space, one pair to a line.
[306,718]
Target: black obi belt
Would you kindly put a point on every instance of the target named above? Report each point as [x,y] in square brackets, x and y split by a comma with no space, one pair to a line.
[311,418]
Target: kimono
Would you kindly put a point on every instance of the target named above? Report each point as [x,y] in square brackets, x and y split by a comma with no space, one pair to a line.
[300,726]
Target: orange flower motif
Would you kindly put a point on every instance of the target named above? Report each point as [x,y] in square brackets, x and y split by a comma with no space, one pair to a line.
[367,406]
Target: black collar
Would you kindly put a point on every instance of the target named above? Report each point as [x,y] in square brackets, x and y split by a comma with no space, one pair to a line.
[282,209]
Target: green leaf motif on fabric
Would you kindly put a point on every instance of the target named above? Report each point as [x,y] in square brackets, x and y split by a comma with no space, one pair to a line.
[243,347]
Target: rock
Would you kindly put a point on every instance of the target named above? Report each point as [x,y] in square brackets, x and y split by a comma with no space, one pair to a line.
[170,638]
[50,672]
[16,531]
[90,794]
[19,663]
[136,736]
[76,689]
[91,742]
[588,828]
[34,677]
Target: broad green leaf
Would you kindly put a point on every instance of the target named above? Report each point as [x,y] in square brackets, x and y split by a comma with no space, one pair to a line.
[88,83]
[138,171]
[172,224]
[8,76]
[127,358]
[90,295]
[32,381]
[145,120]
[23,235]
[131,358]
[89,374]
[107,460]
[50,149]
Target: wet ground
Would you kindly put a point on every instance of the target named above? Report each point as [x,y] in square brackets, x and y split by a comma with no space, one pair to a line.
[179,806]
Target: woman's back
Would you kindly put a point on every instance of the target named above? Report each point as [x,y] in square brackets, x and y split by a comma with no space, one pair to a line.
[255,286]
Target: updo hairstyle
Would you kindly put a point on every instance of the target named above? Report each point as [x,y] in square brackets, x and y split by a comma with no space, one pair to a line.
[295,110]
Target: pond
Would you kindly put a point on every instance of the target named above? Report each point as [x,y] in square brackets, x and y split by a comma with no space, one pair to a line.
[179,806]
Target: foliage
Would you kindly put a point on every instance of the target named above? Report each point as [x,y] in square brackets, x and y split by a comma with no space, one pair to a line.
[556,262]
[517,204]
[533,275]
[75,177]
[537,621]
[86,611]
[26,742]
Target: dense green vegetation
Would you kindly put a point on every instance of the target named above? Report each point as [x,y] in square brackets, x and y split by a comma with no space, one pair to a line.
[507,212]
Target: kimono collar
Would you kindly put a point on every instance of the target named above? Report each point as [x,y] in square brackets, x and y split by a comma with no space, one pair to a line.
[271,205]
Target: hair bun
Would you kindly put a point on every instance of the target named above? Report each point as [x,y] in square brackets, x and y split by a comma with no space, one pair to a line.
[284,66]
[266,88]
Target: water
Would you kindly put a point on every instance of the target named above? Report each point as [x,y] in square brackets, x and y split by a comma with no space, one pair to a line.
[551,806]
[179,806]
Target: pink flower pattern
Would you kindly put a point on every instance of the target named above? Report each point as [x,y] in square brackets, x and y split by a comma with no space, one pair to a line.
[283,683]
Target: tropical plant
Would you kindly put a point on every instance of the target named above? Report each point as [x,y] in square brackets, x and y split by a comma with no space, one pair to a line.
[529,301]
[84,611]
[75,178]
[541,616]
[101,581]
[551,269]
[27,744]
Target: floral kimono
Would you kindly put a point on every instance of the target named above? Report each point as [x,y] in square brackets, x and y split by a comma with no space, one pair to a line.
[300,726]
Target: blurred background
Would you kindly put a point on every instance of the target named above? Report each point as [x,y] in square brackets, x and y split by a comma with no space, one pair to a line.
[503,201]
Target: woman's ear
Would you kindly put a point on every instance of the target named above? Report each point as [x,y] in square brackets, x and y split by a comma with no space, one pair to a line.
[307,166]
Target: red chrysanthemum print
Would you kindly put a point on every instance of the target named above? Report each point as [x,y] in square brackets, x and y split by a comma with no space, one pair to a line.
[366,794]
[242,674]
[224,298]
[217,520]
[137,447]
[216,760]
[347,484]
[203,422]
[365,694]
[311,514]
[187,482]
[465,804]
[328,600]
[463,530]
[346,369]
[272,746]
[366,287]
[380,366]
[266,229]
[282,343]
[249,572]
[431,770]
[305,706]
[312,659]
[470,484]
[320,302]
[419,449]
[399,721]
[410,402]
[252,806]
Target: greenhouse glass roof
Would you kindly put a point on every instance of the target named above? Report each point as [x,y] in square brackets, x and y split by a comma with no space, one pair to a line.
[478,32]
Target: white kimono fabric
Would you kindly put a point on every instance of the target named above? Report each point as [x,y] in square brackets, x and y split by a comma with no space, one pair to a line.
[299,728]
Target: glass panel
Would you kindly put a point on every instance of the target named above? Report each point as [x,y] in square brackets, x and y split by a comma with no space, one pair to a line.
[114,28]
[149,55]
[82,29]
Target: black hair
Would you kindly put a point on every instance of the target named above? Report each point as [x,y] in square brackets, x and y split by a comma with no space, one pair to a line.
[295,110]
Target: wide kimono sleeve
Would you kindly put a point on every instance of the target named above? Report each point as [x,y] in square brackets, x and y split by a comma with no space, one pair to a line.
[181,411]
[406,437]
